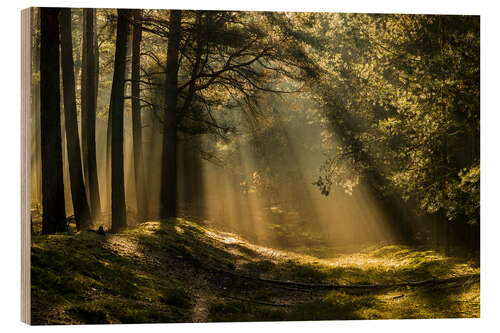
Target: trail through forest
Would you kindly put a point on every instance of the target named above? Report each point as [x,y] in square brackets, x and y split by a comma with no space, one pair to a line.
[181,271]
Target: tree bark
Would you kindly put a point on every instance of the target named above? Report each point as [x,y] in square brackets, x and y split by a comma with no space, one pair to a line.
[136,118]
[169,152]
[54,212]
[83,103]
[108,162]
[78,195]
[96,56]
[118,211]
[89,111]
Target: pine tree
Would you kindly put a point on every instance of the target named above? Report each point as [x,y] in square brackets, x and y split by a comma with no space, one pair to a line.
[118,210]
[78,195]
[54,212]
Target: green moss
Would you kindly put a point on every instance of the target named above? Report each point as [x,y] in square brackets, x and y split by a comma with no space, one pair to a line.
[293,269]
[109,311]
[265,294]
[242,311]
[255,268]
[70,271]
[137,276]
[336,305]
[176,296]
[89,314]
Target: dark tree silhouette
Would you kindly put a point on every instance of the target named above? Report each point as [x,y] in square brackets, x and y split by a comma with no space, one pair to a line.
[116,110]
[78,195]
[169,156]
[88,94]
[136,117]
[54,213]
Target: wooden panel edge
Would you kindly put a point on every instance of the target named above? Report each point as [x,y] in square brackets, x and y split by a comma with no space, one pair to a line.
[26,42]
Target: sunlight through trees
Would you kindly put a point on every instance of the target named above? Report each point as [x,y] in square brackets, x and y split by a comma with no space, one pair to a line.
[241,132]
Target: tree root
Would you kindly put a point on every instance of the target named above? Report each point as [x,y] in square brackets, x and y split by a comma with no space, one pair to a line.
[258,302]
[324,286]
[375,286]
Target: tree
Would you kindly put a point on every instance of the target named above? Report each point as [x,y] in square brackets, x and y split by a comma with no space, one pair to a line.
[402,95]
[54,213]
[88,102]
[169,155]
[78,195]
[136,117]
[118,209]
[220,65]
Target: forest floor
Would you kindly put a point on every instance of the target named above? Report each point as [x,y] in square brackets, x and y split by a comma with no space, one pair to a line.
[181,271]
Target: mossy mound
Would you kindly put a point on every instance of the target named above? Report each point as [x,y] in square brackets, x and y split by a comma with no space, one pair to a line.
[180,271]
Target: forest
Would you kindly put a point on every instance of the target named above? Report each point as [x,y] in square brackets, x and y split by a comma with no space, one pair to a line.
[199,166]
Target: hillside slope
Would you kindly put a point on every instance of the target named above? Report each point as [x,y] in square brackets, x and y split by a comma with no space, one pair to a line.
[180,271]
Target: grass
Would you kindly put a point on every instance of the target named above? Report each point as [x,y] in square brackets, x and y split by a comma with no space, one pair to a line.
[243,311]
[371,265]
[401,303]
[85,280]
[165,272]
[334,306]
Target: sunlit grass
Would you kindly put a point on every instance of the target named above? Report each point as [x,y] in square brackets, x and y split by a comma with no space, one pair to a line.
[146,274]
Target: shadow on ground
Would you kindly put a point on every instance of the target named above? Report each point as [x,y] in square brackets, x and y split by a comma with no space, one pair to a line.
[180,271]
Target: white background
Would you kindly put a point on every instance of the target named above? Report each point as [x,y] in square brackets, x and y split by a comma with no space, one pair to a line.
[490,198]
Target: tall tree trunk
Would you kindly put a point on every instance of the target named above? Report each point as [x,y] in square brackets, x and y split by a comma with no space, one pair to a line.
[54,212]
[108,162]
[118,212]
[83,102]
[136,118]
[89,110]
[96,53]
[169,152]
[78,195]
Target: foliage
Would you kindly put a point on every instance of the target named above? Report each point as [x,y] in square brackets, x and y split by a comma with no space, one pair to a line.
[402,93]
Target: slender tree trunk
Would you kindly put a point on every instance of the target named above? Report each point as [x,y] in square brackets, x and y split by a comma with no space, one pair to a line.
[118,212]
[436,234]
[96,52]
[79,198]
[54,212]
[136,118]
[448,239]
[169,152]
[108,162]
[83,103]
[89,110]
